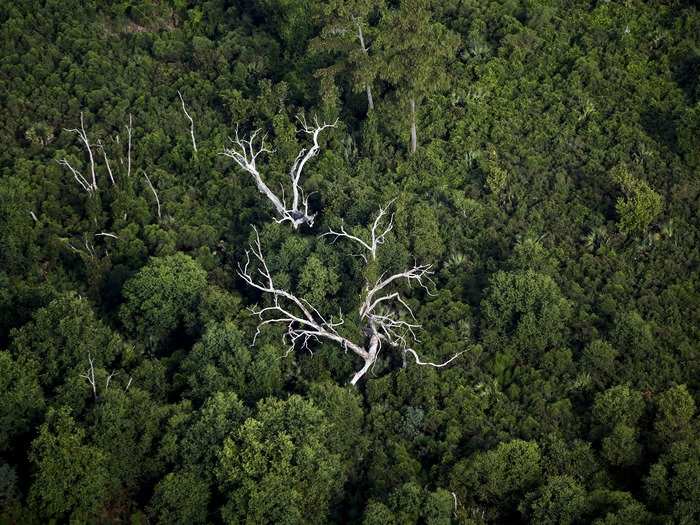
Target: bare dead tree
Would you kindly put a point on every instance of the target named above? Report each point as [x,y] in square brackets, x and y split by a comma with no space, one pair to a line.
[379,312]
[184,110]
[90,376]
[88,252]
[129,129]
[414,134]
[246,152]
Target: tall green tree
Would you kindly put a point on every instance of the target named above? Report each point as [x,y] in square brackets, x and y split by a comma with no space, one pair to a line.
[413,53]
[347,31]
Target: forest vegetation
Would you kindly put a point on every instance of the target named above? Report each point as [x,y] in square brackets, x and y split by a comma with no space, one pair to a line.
[350,261]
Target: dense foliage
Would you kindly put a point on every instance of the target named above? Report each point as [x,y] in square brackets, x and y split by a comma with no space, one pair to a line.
[554,187]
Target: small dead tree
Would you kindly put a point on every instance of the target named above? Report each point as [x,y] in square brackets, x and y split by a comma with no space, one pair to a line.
[82,135]
[89,184]
[379,312]
[246,152]
[89,375]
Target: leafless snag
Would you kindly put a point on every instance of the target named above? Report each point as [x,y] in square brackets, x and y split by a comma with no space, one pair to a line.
[90,376]
[246,152]
[184,110]
[379,313]
[365,51]
[89,249]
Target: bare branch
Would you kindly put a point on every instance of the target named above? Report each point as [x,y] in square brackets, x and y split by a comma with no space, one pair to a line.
[128,151]
[155,194]
[77,175]
[428,363]
[84,139]
[33,216]
[419,274]
[304,322]
[90,376]
[104,154]
[194,143]
[304,155]
[109,378]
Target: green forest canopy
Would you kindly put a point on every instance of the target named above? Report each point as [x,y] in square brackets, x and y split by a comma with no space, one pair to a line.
[543,157]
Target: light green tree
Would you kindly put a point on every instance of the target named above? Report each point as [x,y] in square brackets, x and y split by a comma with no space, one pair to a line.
[278,466]
[639,207]
[72,480]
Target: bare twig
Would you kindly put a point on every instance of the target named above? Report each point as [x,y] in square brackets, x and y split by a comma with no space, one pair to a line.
[376,238]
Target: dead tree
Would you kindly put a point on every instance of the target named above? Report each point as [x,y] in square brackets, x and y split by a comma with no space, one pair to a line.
[379,312]
[246,152]
[155,194]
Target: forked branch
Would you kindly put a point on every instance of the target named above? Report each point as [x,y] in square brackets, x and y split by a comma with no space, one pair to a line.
[245,153]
